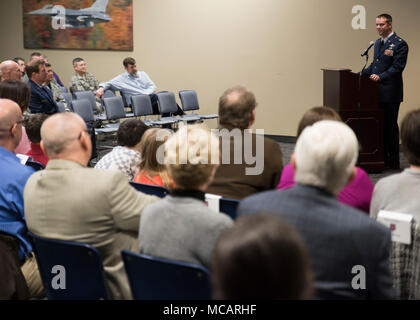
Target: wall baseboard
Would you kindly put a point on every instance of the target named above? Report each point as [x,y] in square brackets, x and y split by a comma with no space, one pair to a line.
[283,139]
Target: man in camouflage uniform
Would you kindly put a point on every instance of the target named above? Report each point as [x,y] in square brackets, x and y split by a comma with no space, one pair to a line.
[84,81]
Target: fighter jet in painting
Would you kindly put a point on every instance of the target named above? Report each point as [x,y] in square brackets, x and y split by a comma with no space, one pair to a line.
[82,18]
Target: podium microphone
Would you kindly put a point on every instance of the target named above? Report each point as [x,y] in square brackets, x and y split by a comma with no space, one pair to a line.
[367,49]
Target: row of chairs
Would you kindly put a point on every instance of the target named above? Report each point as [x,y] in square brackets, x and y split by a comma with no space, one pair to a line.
[74,271]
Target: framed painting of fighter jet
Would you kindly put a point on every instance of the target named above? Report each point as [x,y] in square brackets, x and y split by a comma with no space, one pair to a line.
[78,24]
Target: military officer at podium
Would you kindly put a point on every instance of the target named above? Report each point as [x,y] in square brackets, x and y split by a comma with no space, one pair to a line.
[390,58]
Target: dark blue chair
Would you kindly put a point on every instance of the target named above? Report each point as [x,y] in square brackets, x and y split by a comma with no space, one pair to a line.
[83,269]
[189,101]
[229,207]
[35,165]
[158,191]
[154,278]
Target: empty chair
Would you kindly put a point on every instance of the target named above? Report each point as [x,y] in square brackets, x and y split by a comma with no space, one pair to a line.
[154,278]
[142,107]
[61,107]
[189,101]
[228,206]
[114,108]
[69,270]
[167,105]
[88,95]
[82,108]
[108,93]
[158,191]
[35,165]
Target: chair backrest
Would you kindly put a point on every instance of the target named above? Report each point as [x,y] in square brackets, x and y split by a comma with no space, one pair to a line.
[228,206]
[125,98]
[114,108]
[189,100]
[83,109]
[154,278]
[35,165]
[88,95]
[61,107]
[142,105]
[108,93]
[69,270]
[167,102]
[68,97]
[158,191]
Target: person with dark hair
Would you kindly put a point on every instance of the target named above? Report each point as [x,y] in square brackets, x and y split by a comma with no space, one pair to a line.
[21,64]
[19,92]
[238,179]
[389,61]
[400,192]
[42,99]
[358,192]
[84,81]
[261,257]
[130,83]
[126,156]
[55,88]
[33,130]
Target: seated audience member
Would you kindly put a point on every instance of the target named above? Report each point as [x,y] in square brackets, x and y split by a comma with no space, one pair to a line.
[13,176]
[338,237]
[38,56]
[21,64]
[42,100]
[55,88]
[126,156]
[261,257]
[150,170]
[83,80]
[400,192]
[10,70]
[69,201]
[20,93]
[358,192]
[238,180]
[33,129]
[181,226]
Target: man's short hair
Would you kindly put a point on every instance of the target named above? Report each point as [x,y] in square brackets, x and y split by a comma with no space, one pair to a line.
[77,60]
[325,155]
[189,154]
[48,65]
[261,257]
[235,107]
[33,66]
[35,54]
[33,126]
[17,59]
[385,16]
[130,132]
[128,61]
[410,137]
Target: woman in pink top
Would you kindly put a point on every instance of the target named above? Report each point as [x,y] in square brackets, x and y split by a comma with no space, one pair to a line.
[358,193]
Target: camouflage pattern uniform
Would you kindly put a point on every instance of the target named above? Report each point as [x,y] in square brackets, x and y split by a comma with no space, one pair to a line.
[87,82]
[57,93]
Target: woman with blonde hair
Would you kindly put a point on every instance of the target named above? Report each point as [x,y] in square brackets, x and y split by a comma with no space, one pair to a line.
[151,170]
[181,226]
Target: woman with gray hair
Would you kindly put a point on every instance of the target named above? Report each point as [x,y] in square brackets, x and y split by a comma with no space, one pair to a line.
[181,226]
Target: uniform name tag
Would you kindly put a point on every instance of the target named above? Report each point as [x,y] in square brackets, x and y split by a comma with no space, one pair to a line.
[398,223]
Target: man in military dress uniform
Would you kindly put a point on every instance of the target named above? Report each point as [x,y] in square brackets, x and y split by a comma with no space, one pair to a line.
[388,64]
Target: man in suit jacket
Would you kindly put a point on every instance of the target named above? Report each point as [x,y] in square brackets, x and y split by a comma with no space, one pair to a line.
[349,250]
[250,163]
[69,201]
[42,100]
[389,61]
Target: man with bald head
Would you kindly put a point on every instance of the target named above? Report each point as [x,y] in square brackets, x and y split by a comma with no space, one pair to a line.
[13,177]
[10,70]
[69,201]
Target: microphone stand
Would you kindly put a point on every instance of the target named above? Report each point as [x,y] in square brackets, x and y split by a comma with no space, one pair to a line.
[358,101]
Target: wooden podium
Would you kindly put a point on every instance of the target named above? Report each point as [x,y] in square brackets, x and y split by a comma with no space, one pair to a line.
[357,101]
